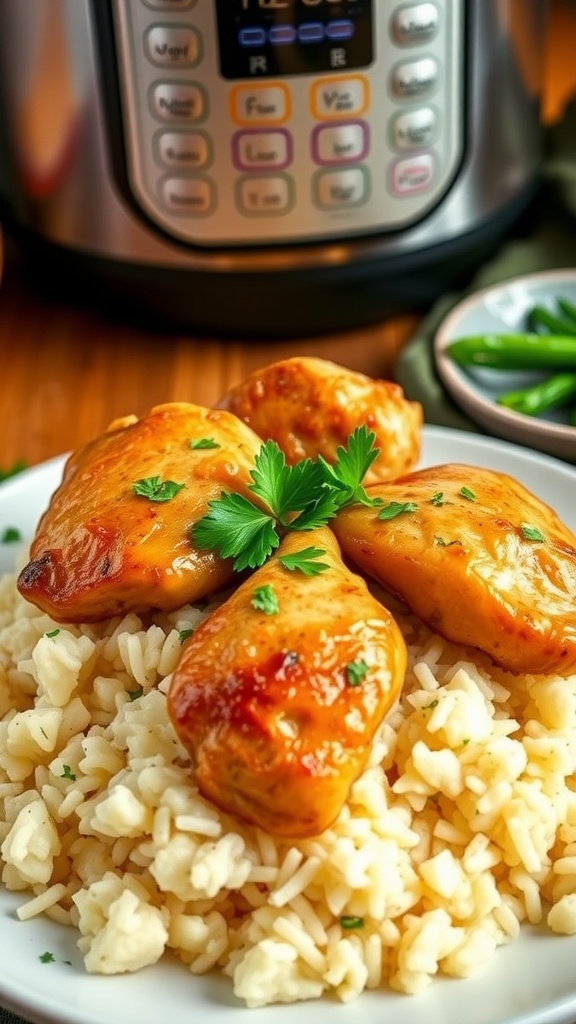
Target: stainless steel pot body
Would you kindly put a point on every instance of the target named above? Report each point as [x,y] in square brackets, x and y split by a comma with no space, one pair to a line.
[66,176]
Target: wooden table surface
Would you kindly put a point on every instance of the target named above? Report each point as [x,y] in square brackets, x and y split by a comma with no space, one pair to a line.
[66,371]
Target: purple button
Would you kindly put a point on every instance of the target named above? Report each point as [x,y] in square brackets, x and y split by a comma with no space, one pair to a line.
[259,150]
[279,35]
[251,37]
[343,29]
[342,143]
[311,32]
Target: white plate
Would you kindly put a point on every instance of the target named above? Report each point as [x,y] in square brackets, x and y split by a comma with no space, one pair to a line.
[532,981]
[502,309]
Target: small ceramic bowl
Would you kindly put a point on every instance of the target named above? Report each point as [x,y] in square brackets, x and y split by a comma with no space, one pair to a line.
[502,309]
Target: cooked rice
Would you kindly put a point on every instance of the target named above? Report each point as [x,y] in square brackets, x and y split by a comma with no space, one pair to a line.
[462,828]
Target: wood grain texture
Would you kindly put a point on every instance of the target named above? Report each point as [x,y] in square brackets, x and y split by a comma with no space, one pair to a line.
[67,371]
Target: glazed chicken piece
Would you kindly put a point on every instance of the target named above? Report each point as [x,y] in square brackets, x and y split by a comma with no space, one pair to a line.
[310,406]
[478,557]
[278,711]
[100,549]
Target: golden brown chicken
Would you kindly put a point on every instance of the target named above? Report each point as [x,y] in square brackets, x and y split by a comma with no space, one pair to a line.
[102,549]
[279,710]
[477,557]
[310,406]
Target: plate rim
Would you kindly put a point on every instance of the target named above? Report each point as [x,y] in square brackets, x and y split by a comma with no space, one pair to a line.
[459,383]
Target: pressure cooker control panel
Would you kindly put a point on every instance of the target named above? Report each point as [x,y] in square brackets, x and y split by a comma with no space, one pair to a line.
[260,121]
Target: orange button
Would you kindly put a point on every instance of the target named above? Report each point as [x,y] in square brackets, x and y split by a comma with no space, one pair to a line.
[339,97]
[260,104]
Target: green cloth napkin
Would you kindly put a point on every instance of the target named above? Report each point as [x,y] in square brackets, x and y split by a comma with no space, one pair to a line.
[550,244]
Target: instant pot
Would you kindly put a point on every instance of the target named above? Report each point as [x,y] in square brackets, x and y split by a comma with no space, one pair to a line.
[267,167]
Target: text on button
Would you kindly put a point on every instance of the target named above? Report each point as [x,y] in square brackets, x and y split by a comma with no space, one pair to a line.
[267,105]
[177,47]
[341,189]
[264,196]
[262,149]
[412,175]
[192,196]
[335,144]
[336,97]
[183,149]
[172,101]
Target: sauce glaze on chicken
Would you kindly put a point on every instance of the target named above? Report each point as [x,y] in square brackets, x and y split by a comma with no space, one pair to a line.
[269,707]
[480,559]
[275,724]
[311,406]
[100,550]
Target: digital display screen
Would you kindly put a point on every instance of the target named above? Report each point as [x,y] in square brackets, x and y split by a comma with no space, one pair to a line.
[264,38]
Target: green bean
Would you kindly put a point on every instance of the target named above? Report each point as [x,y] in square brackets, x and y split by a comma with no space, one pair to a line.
[568,308]
[515,351]
[539,315]
[548,394]
[572,416]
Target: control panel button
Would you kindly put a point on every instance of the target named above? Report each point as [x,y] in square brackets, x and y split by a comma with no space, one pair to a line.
[172,46]
[260,104]
[343,28]
[339,97]
[415,79]
[188,150]
[414,24]
[259,150]
[310,32]
[282,35]
[191,196]
[415,129]
[252,36]
[177,101]
[412,174]
[264,196]
[341,189]
[339,144]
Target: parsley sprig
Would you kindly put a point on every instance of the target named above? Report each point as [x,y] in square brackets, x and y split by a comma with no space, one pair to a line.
[300,497]
[306,561]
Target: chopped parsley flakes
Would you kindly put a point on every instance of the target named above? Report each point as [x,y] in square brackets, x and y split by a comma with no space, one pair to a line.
[199,443]
[350,923]
[532,533]
[264,599]
[155,489]
[467,493]
[355,671]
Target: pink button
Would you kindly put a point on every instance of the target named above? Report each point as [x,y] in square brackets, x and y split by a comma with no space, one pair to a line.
[414,174]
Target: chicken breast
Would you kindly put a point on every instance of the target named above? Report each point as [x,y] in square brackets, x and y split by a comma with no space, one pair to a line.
[101,549]
[311,406]
[476,556]
[278,710]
